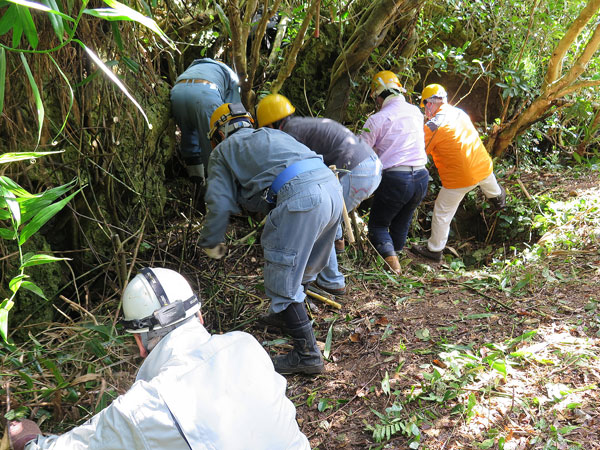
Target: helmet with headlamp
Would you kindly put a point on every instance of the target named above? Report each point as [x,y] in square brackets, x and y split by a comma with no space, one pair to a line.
[157,298]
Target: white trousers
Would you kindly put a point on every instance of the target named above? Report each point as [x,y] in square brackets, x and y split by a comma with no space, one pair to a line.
[446,205]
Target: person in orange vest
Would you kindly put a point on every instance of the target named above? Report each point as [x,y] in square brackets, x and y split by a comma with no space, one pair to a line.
[462,161]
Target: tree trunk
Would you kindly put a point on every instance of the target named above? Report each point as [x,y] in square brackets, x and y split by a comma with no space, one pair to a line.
[557,83]
[369,33]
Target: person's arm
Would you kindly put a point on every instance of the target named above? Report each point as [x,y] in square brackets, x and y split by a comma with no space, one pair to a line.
[220,198]
[136,420]
[369,134]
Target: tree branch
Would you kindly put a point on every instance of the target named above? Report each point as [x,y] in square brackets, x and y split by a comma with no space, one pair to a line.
[577,87]
[556,61]
[290,59]
[580,65]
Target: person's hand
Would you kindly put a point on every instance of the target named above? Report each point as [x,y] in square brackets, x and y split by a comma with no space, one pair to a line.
[21,432]
[216,252]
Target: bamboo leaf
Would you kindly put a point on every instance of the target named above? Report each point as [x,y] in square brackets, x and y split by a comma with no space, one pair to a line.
[42,217]
[13,187]
[8,19]
[71,96]
[32,287]
[31,206]
[31,259]
[28,26]
[224,19]
[114,79]
[17,29]
[7,234]
[16,282]
[9,199]
[4,309]
[119,11]
[52,9]
[55,19]
[20,156]
[36,94]
[2,78]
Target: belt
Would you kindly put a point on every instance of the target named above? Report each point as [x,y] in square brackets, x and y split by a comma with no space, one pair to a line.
[404,168]
[198,80]
[288,173]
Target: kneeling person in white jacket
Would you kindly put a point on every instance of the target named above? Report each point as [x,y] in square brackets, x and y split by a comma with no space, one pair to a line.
[193,391]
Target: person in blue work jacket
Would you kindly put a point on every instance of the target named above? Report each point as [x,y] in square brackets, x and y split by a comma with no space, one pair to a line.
[267,170]
[360,172]
[205,85]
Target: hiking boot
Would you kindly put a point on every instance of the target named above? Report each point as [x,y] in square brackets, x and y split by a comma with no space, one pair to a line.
[422,250]
[272,320]
[332,291]
[393,262]
[340,246]
[304,358]
[499,202]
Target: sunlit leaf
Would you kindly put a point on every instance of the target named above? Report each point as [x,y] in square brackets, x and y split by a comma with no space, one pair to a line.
[115,80]
[36,94]
[119,11]
[20,156]
[30,259]
[8,198]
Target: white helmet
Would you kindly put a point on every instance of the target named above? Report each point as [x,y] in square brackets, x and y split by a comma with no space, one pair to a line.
[157,298]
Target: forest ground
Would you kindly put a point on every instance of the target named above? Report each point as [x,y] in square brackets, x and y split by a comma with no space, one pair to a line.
[441,357]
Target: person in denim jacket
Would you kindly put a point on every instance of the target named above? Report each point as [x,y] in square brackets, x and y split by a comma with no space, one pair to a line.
[266,170]
[205,85]
[360,172]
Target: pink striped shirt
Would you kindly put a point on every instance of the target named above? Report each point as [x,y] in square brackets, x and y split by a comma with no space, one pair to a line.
[396,134]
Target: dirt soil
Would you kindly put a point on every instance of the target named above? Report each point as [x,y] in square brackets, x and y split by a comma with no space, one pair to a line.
[395,329]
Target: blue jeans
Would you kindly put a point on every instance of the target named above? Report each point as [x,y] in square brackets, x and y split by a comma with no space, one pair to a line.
[298,235]
[357,185]
[192,104]
[392,210]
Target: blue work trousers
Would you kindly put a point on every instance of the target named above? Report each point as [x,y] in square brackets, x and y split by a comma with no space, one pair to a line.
[357,186]
[299,234]
[393,206]
[192,104]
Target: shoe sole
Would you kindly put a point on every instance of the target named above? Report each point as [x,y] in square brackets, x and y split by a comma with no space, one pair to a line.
[313,370]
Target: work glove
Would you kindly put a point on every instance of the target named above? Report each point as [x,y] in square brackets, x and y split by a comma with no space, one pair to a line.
[21,432]
[216,252]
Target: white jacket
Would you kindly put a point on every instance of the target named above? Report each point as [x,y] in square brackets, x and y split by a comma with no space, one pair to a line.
[220,392]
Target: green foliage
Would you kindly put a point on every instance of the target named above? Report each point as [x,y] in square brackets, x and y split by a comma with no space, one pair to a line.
[26,213]
[17,18]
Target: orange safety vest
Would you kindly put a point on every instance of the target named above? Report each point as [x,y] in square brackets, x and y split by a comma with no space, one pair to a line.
[457,151]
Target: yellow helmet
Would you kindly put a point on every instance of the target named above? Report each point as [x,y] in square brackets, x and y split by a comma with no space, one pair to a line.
[433,90]
[229,117]
[383,81]
[273,107]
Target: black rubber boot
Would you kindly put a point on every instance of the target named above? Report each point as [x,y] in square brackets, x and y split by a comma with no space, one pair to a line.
[273,320]
[305,357]
[499,202]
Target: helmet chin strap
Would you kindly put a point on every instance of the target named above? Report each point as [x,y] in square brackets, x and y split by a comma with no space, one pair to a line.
[150,339]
